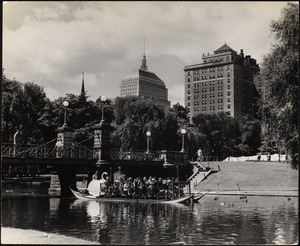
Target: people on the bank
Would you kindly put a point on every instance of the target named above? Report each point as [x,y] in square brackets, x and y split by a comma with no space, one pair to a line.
[143,188]
[200,155]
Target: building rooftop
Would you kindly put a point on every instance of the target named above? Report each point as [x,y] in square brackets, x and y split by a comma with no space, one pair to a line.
[224,48]
[139,73]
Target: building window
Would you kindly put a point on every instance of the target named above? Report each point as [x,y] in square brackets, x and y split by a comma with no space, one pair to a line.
[228,93]
[228,100]
[228,106]
[228,86]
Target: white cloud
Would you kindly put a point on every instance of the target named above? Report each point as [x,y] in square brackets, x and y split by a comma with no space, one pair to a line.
[52,43]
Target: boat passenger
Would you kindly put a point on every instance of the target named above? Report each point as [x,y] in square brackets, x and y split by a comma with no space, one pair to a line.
[96,175]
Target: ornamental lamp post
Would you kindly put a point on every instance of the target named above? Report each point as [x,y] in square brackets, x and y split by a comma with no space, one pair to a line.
[183,132]
[148,134]
[65,104]
[103,99]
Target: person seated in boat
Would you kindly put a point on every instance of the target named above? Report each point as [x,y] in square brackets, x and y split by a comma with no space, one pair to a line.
[136,184]
[143,188]
[121,186]
[160,187]
[165,187]
[107,186]
[153,188]
[127,188]
[114,189]
[96,175]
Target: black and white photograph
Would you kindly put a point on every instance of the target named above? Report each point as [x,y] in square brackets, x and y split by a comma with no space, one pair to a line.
[150,123]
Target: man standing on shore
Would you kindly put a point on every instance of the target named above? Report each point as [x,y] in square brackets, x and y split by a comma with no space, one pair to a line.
[200,155]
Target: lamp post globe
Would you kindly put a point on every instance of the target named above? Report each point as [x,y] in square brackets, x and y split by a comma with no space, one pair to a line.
[103,98]
[183,132]
[65,104]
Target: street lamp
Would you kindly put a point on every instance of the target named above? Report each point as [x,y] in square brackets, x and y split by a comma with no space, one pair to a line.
[103,99]
[148,134]
[65,104]
[183,132]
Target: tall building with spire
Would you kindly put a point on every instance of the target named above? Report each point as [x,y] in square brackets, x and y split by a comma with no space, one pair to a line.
[223,82]
[142,82]
[82,93]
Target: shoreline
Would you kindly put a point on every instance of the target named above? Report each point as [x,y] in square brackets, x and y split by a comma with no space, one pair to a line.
[269,193]
[11,235]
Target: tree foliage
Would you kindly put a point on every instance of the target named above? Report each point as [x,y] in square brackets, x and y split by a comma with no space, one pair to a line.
[280,72]
[220,134]
[22,106]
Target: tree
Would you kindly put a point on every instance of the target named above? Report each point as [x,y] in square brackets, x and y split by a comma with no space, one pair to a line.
[250,135]
[280,72]
[134,116]
[23,105]
[219,134]
[80,115]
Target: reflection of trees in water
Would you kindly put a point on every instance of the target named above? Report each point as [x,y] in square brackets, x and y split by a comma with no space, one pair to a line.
[25,213]
[132,222]
[281,225]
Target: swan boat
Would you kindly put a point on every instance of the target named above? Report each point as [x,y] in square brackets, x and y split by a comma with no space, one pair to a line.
[96,192]
[88,197]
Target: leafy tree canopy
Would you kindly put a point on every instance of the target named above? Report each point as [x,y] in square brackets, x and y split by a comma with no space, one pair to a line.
[280,72]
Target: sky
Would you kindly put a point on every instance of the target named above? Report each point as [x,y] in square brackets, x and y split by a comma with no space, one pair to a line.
[53,43]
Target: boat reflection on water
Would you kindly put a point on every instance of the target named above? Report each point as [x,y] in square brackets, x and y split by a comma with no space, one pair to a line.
[105,215]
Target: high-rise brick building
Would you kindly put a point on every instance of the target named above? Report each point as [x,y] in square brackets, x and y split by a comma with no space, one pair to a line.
[223,82]
[142,82]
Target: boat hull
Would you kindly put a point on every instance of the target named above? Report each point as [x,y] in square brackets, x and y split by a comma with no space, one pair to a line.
[87,197]
[197,197]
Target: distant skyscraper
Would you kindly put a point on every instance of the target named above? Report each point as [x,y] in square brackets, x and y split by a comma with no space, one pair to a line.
[223,82]
[142,82]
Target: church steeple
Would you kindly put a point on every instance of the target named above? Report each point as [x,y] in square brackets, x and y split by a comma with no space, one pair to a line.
[82,94]
[144,62]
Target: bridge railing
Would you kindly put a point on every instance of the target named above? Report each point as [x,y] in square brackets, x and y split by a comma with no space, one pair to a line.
[135,155]
[75,152]
[46,151]
[12,150]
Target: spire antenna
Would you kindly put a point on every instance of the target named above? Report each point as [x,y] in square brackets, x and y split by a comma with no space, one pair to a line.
[82,94]
[144,45]
[144,61]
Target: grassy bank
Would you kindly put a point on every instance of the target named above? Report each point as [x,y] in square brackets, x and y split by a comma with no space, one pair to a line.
[20,236]
[250,176]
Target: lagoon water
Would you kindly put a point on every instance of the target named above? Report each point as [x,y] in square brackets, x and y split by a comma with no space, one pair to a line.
[227,220]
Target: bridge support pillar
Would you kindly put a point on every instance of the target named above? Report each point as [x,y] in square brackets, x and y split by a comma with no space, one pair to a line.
[59,185]
[55,188]
[102,148]
[64,139]
[67,177]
